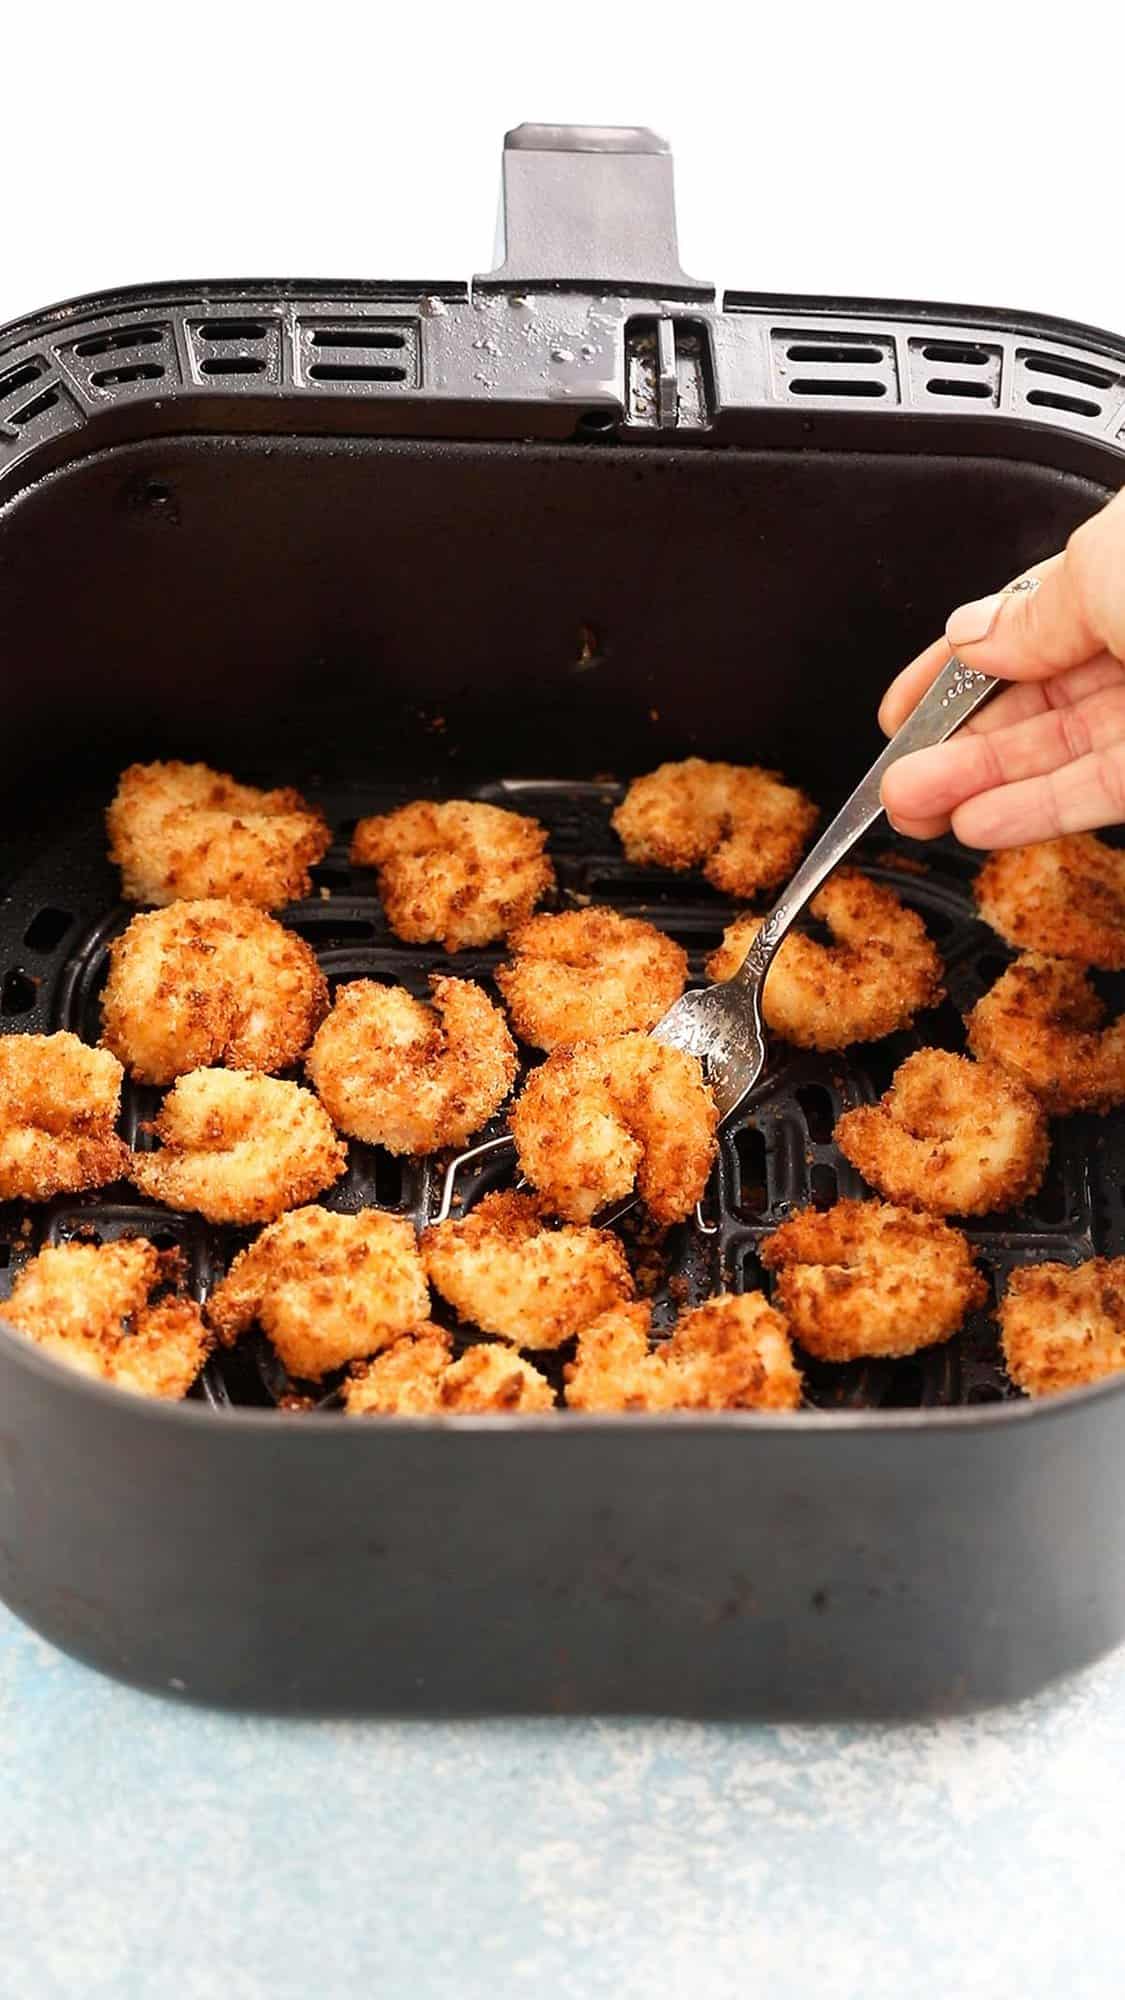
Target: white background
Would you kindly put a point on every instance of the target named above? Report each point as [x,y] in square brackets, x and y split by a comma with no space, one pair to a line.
[957,152]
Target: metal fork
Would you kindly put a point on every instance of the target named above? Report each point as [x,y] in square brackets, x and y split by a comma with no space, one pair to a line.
[722,1025]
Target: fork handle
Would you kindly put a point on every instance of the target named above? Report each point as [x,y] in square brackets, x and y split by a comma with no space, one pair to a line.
[955,695]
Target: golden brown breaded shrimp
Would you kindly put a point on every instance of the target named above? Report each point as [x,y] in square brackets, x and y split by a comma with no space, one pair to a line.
[58,1105]
[459,873]
[1044,1024]
[507,1271]
[746,827]
[586,974]
[880,970]
[593,1120]
[93,1307]
[325,1288]
[863,1278]
[732,1353]
[408,1076]
[179,830]
[418,1377]
[210,982]
[1065,898]
[1062,1326]
[238,1147]
[950,1135]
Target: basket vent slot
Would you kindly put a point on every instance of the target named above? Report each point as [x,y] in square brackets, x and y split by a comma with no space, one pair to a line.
[120,378]
[830,363]
[19,378]
[240,330]
[18,993]
[233,364]
[1067,383]
[38,407]
[122,340]
[47,928]
[359,355]
[948,372]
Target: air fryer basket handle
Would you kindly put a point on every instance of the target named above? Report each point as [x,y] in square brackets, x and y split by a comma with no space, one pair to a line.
[589,205]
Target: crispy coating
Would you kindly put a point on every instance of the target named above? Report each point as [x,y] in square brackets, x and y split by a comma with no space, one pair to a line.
[239,1147]
[58,1105]
[408,1076]
[179,830]
[866,1279]
[950,1135]
[731,1354]
[460,873]
[324,1288]
[505,1269]
[594,1120]
[1044,1024]
[746,827]
[1062,1326]
[418,1377]
[210,982]
[94,1307]
[880,970]
[586,974]
[1065,898]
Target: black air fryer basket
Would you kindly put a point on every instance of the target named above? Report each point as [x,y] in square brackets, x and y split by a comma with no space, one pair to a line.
[520,540]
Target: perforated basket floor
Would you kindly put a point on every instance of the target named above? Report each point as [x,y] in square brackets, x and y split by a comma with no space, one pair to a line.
[59,916]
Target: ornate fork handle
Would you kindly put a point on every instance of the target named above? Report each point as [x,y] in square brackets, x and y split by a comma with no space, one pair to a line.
[955,695]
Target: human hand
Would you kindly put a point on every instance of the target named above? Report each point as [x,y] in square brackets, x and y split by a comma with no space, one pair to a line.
[1046,755]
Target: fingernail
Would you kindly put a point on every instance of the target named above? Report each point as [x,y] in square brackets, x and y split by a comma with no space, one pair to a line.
[971,623]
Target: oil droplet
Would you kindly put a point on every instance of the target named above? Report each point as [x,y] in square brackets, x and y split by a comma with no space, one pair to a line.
[432,308]
[562,354]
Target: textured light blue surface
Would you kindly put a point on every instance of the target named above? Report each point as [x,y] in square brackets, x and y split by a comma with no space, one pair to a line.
[151,1850]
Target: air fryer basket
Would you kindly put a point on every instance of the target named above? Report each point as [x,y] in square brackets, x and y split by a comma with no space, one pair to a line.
[517,541]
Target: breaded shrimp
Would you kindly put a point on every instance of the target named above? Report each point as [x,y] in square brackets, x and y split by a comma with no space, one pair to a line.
[210,982]
[1065,898]
[238,1147]
[1044,1024]
[178,830]
[58,1105]
[94,1306]
[880,970]
[418,1377]
[459,873]
[1062,1326]
[593,1120]
[505,1269]
[586,974]
[866,1279]
[408,1076]
[731,1354]
[746,827]
[325,1288]
[950,1135]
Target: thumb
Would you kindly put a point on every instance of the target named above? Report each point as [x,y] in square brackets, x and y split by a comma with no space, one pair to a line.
[1060,614]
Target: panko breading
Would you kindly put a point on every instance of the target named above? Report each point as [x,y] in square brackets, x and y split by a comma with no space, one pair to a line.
[58,1105]
[210,982]
[732,1353]
[1044,1024]
[586,974]
[459,873]
[93,1307]
[510,1273]
[1062,1326]
[1065,898]
[238,1147]
[325,1288]
[866,1279]
[594,1120]
[746,827]
[179,830]
[418,1377]
[952,1136]
[408,1076]
[880,970]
